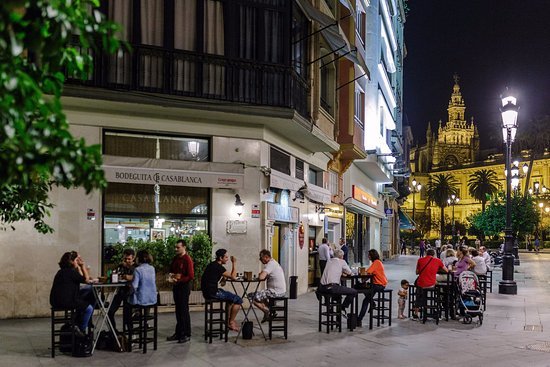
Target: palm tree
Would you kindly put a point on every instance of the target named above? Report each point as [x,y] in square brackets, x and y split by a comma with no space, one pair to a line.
[483,184]
[439,189]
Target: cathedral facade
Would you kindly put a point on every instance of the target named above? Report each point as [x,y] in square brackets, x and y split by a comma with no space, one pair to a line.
[454,149]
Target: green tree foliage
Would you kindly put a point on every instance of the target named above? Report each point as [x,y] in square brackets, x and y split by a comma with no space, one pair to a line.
[37,151]
[482,185]
[440,187]
[492,221]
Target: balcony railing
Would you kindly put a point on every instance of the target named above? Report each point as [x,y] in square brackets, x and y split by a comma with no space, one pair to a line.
[191,74]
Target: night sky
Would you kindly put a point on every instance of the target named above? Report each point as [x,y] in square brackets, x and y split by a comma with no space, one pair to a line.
[490,45]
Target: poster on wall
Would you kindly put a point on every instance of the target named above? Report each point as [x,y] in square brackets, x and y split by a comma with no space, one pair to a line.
[157,234]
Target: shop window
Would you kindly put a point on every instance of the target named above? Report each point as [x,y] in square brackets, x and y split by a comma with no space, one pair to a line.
[156,146]
[299,169]
[279,161]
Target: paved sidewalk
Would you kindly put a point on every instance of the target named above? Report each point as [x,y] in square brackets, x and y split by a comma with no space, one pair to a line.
[515,328]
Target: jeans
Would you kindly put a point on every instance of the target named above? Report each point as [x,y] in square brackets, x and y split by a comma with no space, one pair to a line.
[338,289]
[228,296]
[369,294]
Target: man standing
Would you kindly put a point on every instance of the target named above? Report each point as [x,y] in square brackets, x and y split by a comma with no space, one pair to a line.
[324,254]
[212,276]
[276,284]
[126,273]
[344,248]
[181,274]
[330,281]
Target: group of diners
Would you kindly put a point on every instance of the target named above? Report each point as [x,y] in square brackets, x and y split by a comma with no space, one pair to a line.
[337,268]
[73,288]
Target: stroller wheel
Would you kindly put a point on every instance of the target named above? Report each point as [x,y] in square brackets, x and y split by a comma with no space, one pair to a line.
[467,319]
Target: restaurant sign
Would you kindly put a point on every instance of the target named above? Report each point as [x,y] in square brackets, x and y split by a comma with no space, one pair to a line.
[364,197]
[173,177]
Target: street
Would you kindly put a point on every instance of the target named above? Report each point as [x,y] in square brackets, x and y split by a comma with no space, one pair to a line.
[514,333]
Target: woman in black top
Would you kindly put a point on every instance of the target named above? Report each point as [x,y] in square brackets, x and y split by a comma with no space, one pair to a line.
[65,292]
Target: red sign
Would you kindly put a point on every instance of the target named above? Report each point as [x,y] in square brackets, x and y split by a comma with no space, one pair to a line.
[364,197]
[301,236]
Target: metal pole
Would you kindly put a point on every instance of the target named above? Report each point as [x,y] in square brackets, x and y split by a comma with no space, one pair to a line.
[414,193]
[508,285]
[453,220]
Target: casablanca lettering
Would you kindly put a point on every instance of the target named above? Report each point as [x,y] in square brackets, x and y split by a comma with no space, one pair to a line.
[166,199]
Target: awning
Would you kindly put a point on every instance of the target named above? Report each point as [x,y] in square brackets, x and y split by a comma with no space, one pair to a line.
[172,173]
[405,222]
[331,33]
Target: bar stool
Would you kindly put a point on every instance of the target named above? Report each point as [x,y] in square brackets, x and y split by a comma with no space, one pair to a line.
[489,280]
[66,335]
[381,307]
[278,320]
[143,320]
[215,319]
[330,308]
[411,300]
[431,307]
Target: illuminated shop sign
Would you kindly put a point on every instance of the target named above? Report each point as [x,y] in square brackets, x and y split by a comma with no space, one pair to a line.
[364,197]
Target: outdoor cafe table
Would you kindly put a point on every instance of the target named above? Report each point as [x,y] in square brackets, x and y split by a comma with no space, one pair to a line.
[247,285]
[104,305]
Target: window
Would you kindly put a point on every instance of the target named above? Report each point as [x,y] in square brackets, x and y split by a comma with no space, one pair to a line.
[299,169]
[300,28]
[279,161]
[333,182]
[328,80]
[360,25]
[359,106]
[156,146]
[315,177]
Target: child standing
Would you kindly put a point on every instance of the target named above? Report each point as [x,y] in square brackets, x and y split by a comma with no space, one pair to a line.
[403,293]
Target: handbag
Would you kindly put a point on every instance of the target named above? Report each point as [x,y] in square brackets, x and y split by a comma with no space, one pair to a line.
[420,272]
[248,330]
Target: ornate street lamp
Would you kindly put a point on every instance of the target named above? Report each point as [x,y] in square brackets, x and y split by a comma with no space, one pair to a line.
[509,111]
[416,187]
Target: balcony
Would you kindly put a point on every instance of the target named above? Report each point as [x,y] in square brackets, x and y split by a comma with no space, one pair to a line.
[197,75]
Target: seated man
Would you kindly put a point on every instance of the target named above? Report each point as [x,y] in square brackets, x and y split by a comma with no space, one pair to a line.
[212,275]
[330,280]
[276,285]
[426,269]
[125,272]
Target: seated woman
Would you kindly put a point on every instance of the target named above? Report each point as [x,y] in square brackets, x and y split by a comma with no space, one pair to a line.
[144,288]
[378,282]
[65,292]
[481,267]
[450,259]
[464,262]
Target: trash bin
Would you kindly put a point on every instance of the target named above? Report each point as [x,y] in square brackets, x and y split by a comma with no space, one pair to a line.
[293,287]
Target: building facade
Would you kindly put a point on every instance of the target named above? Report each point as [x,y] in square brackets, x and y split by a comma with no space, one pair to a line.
[221,103]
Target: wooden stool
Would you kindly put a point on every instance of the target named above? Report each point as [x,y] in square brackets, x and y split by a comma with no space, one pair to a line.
[330,308]
[142,321]
[215,319]
[431,307]
[380,307]
[278,318]
[60,337]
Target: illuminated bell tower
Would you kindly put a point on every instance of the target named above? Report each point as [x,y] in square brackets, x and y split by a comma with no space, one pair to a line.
[457,140]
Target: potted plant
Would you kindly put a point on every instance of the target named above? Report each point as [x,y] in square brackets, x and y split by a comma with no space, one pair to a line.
[200,250]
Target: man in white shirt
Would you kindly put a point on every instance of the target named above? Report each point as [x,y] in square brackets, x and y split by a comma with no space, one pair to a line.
[485,255]
[276,284]
[330,281]
[324,254]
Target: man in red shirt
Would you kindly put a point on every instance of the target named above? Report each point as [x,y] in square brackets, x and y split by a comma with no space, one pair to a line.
[426,269]
[181,274]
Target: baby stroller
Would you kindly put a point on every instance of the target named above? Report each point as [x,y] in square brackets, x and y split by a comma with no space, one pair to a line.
[469,297]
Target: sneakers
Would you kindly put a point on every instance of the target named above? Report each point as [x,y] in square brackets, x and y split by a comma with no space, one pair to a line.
[415,316]
[172,338]
[185,339]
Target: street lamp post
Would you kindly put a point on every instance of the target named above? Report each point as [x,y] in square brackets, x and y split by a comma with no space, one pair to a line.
[452,201]
[509,113]
[416,187]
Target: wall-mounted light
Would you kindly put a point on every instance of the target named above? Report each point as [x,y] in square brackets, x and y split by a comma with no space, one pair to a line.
[239,205]
[119,226]
[320,209]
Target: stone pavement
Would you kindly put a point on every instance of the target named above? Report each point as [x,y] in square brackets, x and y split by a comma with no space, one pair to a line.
[515,332]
